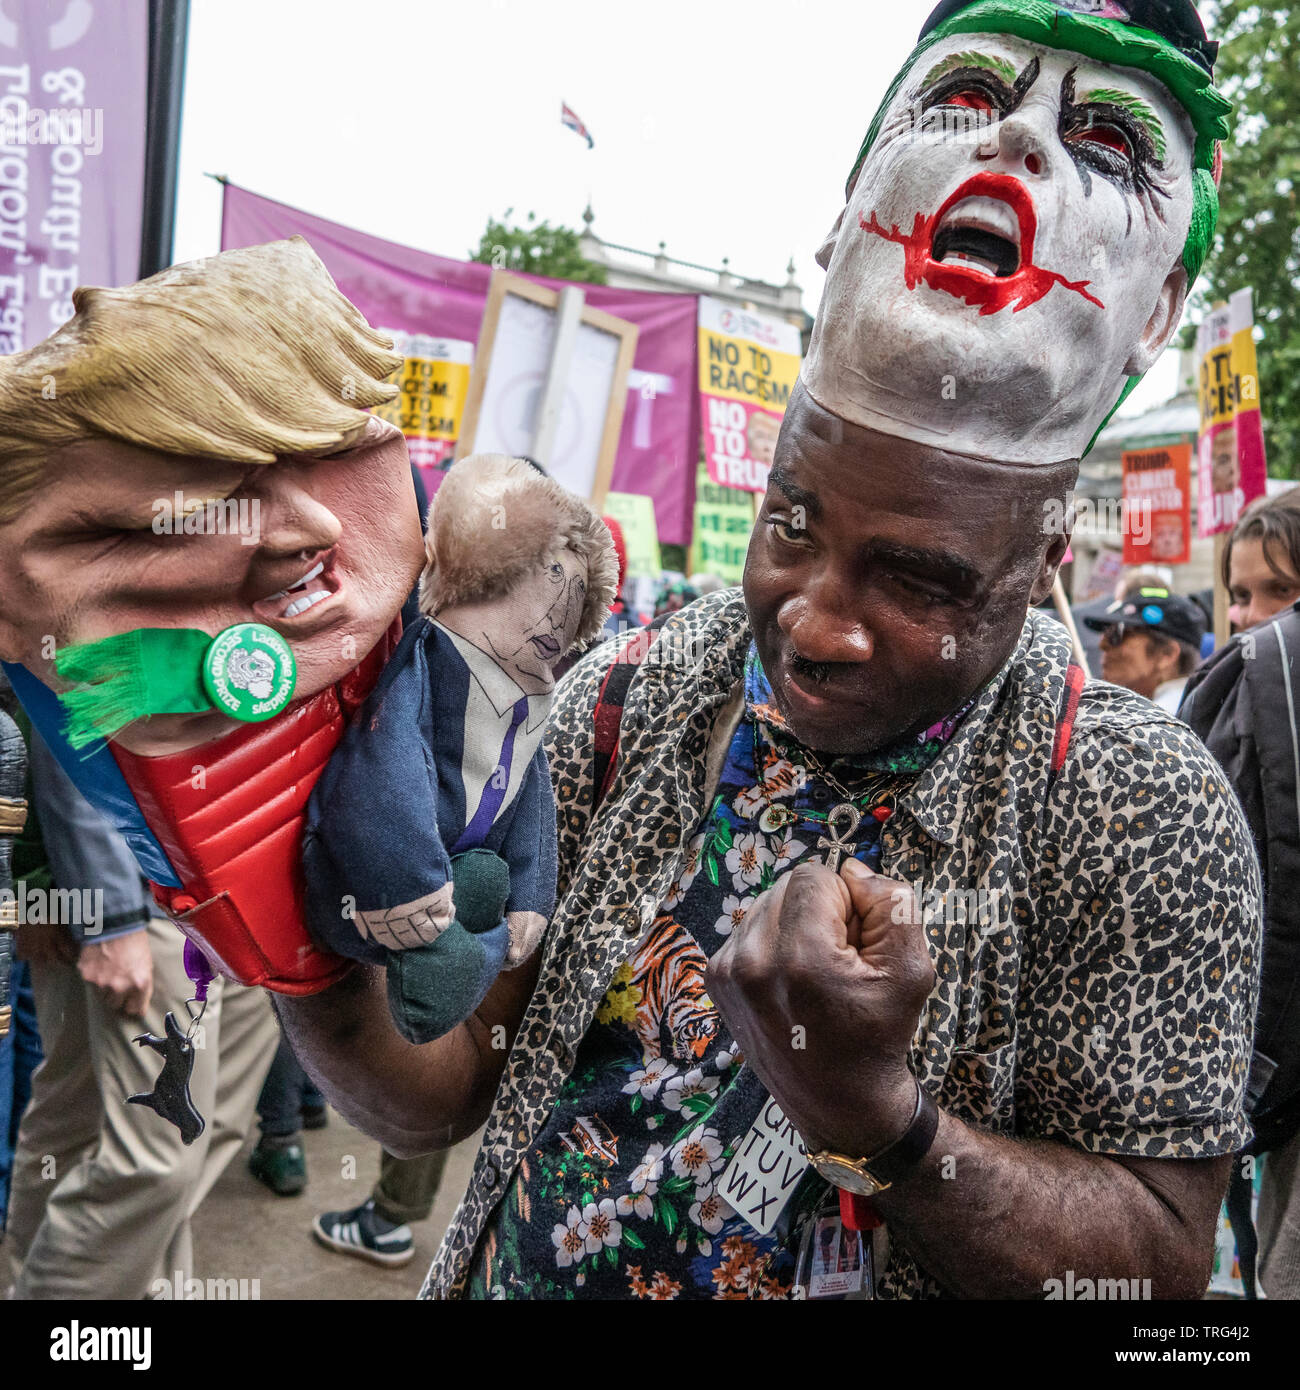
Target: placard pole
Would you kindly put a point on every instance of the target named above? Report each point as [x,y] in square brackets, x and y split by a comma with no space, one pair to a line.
[567,320]
[1063,609]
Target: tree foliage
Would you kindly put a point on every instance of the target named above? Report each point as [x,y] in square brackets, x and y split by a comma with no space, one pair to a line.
[537,248]
[1258,243]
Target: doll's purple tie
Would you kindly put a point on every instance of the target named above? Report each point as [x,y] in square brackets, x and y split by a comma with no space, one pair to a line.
[494,793]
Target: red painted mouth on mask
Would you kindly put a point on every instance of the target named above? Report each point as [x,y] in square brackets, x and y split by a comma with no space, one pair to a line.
[987,291]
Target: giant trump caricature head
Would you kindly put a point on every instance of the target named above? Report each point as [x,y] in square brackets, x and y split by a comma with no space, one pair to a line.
[1023,221]
[192,453]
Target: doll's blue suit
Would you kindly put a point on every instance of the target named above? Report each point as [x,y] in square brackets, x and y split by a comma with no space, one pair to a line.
[440,778]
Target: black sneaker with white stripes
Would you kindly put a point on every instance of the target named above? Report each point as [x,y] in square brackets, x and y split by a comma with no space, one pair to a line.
[364,1233]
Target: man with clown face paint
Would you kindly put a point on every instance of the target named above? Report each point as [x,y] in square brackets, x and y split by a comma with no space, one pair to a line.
[852,857]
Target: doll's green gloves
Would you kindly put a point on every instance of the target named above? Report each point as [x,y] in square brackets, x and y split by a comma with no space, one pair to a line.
[433,988]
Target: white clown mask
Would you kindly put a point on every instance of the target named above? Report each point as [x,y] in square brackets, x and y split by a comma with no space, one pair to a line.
[1011,252]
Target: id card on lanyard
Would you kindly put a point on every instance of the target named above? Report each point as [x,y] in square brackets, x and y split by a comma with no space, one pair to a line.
[834,1262]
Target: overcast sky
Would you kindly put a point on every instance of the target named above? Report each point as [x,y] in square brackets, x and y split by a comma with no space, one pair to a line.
[721,129]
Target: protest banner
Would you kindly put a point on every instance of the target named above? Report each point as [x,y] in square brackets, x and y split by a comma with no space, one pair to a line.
[636,515]
[434,378]
[748,364]
[1157,513]
[1231,470]
[423,294]
[724,521]
[73,90]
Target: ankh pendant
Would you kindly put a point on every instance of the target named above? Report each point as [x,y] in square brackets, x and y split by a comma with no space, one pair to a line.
[839,842]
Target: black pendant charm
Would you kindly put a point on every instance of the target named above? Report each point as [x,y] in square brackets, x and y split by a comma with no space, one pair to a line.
[170,1096]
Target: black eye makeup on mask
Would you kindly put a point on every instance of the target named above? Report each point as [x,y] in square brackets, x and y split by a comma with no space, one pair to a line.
[1107,138]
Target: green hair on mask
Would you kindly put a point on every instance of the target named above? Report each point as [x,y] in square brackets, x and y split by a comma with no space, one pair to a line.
[1114,44]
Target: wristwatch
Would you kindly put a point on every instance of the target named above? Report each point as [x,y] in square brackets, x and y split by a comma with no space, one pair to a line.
[868,1176]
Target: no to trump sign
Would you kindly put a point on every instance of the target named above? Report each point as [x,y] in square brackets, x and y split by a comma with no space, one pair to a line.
[748,366]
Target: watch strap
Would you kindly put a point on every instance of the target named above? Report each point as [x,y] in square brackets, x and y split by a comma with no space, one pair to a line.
[895,1162]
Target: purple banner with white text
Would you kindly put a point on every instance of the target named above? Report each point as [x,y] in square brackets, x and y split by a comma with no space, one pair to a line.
[73,87]
[415,295]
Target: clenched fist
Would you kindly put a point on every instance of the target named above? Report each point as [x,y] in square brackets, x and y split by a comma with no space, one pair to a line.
[823,985]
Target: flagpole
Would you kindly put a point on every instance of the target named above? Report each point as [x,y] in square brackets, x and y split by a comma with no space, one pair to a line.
[579,128]
[591,180]
[168,31]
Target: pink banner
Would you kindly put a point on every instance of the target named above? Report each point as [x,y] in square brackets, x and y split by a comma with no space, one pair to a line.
[73,82]
[398,288]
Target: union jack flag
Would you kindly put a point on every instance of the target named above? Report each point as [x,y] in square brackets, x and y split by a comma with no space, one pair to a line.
[570,118]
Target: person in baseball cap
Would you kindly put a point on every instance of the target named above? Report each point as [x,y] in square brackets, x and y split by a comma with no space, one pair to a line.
[1151,643]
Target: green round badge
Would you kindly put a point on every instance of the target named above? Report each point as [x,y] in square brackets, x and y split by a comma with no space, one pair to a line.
[249,672]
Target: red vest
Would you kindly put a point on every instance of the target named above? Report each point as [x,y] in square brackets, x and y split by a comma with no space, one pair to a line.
[229,815]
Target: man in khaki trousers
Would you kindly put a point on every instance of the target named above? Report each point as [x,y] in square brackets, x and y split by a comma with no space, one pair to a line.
[103,1191]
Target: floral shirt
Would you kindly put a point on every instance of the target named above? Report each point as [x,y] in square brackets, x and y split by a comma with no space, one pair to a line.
[619,1195]
[1107,1003]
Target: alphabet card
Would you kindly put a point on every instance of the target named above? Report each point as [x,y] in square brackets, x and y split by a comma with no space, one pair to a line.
[765,1169]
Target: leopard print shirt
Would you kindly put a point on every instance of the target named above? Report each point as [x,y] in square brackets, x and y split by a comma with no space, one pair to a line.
[1096,952]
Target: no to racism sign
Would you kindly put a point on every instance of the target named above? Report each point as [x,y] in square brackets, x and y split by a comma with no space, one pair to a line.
[748,366]
[434,378]
[1231,468]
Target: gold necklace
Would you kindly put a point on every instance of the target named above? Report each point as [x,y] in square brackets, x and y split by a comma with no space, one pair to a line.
[842,821]
[812,763]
